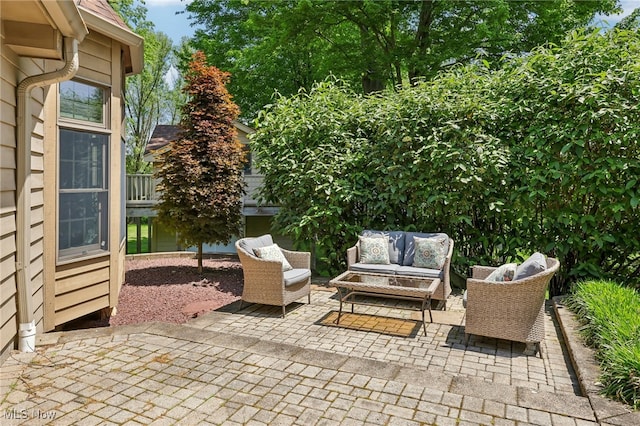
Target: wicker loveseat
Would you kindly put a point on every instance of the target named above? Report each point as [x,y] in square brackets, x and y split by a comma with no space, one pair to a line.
[266,282]
[402,250]
[511,310]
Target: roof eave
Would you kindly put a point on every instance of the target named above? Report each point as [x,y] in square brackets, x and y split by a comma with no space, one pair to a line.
[248,130]
[133,41]
[67,18]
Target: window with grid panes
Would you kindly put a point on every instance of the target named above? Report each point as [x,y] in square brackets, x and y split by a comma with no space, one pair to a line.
[83,164]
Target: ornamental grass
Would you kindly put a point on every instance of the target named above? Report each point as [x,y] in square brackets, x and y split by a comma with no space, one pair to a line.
[610,314]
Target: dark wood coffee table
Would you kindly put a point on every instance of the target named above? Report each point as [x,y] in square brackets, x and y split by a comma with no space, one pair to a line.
[352,284]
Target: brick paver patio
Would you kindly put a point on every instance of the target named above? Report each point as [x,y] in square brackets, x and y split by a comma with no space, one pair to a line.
[254,368]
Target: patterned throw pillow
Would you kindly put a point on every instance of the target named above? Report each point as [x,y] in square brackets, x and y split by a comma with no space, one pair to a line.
[374,250]
[430,252]
[503,273]
[396,243]
[273,252]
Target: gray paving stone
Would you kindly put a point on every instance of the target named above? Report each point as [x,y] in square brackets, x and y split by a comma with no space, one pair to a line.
[503,422]
[472,403]
[475,417]
[557,420]
[516,413]
[371,367]
[569,405]
[537,417]
[451,399]
[262,369]
[486,390]
[493,408]
[625,419]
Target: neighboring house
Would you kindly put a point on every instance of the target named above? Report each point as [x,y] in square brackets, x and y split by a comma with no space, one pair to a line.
[62,233]
[257,218]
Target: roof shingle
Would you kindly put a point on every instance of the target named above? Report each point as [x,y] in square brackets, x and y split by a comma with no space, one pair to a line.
[104,10]
[162,135]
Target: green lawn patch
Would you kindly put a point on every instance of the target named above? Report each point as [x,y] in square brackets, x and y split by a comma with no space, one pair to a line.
[132,235]
[610,314]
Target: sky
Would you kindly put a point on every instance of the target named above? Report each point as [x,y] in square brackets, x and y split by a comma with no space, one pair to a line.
[163,14]
[627,7]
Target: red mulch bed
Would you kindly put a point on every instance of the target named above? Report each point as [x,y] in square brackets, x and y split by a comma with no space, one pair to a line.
[170,289]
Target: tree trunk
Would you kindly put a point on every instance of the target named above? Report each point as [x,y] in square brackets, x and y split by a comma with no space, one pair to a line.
[422,40]
[371,84]
[371,76]
[200,269]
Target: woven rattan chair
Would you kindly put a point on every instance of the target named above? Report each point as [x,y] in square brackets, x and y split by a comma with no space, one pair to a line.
[264,280]
[512,311]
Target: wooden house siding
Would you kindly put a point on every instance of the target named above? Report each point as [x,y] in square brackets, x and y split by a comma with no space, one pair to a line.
[117,242]
[89,285]
[8,326]
[81,288]
[21,68]
[36,266]
[96,66]
[60,289]
[13,70]
[95,59]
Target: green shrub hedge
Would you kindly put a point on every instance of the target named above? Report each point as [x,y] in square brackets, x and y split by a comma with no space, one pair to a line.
[540,154]
[611,317]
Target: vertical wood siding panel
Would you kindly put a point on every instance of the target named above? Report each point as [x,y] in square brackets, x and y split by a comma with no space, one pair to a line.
[115,186]
[49,208]
[8,327]
[36,266]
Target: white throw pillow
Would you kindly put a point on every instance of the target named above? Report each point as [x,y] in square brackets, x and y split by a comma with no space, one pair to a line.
[273,252]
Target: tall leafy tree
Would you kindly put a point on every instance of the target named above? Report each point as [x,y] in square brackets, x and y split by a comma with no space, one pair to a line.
[201,177]
[175,98]
[373,44]
[631,21]
[149,99]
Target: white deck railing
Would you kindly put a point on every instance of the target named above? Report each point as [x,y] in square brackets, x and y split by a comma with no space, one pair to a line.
[141,189]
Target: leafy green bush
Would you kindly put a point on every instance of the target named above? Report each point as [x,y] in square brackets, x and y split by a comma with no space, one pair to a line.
[611,317]
[541,154]
[577,135]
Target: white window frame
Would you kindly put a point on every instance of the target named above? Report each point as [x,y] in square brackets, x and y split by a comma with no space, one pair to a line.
[100,248]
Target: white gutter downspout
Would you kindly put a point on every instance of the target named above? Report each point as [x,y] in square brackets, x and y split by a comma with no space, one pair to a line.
[27,330]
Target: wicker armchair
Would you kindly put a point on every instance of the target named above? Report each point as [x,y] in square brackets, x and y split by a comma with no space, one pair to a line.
[264,280]
[512,310]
